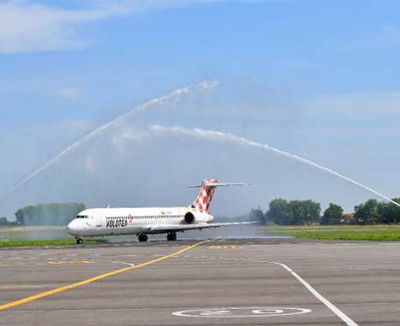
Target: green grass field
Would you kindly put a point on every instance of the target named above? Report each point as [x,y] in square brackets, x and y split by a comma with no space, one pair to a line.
[340,232]
[27,236]
[60,242]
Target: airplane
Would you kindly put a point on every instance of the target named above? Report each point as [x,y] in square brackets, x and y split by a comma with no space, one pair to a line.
[150,220]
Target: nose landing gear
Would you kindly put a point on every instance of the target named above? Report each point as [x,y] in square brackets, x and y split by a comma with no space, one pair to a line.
[79,240]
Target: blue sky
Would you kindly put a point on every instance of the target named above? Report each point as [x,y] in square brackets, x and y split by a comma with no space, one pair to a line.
[318,78]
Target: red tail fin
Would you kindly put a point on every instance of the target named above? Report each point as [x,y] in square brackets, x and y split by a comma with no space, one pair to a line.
[205,195]
[207,189]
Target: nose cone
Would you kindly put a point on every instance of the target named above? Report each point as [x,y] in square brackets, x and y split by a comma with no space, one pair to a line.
[74,227]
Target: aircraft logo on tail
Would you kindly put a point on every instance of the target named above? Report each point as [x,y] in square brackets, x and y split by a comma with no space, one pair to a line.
[205,195]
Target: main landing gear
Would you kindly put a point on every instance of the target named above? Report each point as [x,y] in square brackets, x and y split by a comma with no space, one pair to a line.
[142,237]
[79,240]
[171,236]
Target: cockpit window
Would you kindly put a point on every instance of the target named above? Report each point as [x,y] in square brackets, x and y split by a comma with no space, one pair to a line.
[81,216]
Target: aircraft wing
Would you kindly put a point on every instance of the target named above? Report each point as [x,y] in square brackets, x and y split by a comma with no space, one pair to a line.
[163,228]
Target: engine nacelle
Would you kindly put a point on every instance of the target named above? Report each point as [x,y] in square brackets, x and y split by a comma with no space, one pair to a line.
[194,216]
[189,218]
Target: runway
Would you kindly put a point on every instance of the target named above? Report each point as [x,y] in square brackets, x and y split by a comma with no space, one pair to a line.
[216,282]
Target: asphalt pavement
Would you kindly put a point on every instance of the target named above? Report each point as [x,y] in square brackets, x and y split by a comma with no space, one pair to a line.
[217,282]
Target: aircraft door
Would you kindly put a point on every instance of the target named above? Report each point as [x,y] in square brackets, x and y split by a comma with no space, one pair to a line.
[98,220]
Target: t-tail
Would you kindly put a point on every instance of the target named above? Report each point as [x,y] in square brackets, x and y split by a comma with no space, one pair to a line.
[206,193]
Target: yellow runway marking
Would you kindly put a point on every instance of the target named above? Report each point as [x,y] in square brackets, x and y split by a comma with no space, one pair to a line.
[95,278]
[63,262]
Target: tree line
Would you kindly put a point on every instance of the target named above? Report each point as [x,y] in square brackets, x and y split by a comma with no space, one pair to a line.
[45,214]
[280,211]
[300,212]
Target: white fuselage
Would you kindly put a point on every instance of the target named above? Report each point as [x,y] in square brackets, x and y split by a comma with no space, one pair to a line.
[118,221]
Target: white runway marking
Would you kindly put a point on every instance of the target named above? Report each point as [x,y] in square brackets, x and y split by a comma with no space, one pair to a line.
[346,319]
[325,301]
[241,312]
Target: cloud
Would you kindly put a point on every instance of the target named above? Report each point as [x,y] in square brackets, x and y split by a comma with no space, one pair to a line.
[68,93]
[29,27]
[33,27]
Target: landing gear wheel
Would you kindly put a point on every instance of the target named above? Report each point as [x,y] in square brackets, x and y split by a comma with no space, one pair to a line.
[142,238]
[79,240]
[171,236]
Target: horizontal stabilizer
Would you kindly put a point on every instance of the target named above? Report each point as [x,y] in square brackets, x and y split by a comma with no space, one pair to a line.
[221,184]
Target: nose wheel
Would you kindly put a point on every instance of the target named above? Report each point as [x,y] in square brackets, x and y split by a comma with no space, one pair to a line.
[79,240]
[171,236]
[142,237]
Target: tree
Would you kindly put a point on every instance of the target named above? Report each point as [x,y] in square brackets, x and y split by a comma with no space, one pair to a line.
[295,212]
[19,215]
[48,214]
[3,221]
[258,216]
[278,212]
[332,215]
[304,212]
[368,212]
[389,213]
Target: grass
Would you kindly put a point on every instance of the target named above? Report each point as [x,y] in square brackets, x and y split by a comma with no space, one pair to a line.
[33,243]
[340,232]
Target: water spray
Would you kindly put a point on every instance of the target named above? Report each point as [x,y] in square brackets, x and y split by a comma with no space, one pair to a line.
[213,135]
[174,96]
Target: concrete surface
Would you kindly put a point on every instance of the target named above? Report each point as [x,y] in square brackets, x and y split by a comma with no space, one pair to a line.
[361,280]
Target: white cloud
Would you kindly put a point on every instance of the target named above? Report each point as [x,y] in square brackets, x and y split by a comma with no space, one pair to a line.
[27,27]
[32,27]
